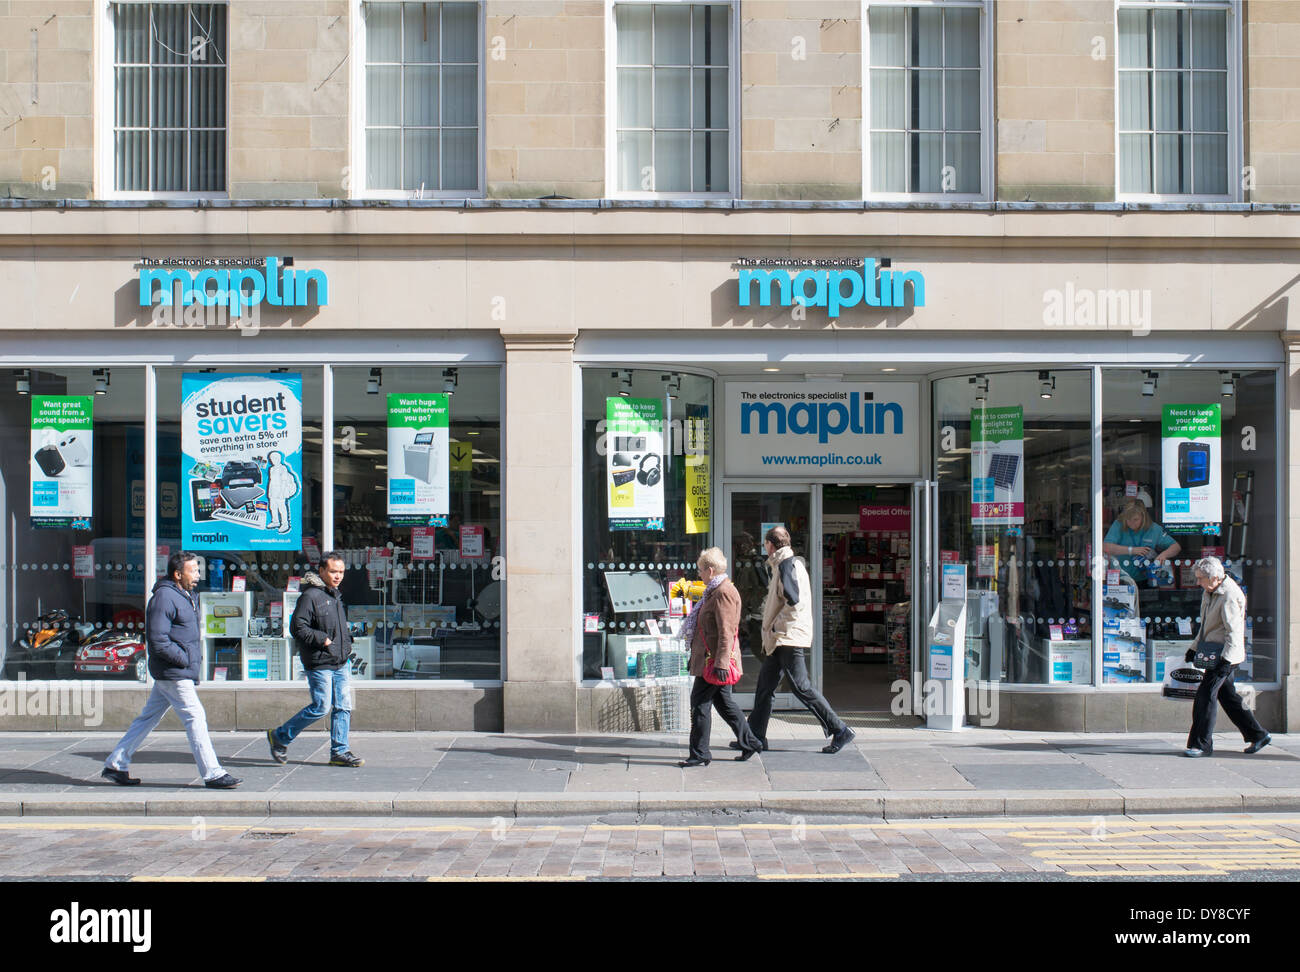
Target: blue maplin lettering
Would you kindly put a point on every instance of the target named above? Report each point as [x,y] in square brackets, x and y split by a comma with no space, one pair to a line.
[236,288]
[827,288]
[824,419]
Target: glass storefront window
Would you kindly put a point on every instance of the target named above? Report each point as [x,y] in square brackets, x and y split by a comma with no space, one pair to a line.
[425,598]
[1013,464]
[1175,493]
[72,533]
[646,482]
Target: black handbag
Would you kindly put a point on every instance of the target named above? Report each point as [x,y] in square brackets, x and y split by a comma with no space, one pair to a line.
[1208,654]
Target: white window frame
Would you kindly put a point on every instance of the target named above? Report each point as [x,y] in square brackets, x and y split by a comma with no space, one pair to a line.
[987,155]
[1235,134]
[357,109]
[105,106]
[611,105]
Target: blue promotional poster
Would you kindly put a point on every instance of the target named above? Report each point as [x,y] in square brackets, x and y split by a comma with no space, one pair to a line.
[241,462]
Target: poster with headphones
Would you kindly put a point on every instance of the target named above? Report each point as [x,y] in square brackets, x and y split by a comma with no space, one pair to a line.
[634,460]
[63,461]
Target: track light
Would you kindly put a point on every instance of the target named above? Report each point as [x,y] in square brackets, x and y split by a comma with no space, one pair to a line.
[672,385]
[103,378]
[450,378]
[1047,384]
[1227,383]
[23,381]
[1149,383]
[981,383]
[374,381]
[626,389]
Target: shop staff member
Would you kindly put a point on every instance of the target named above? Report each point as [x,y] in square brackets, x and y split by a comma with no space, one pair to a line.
[320,631]
[176,663]
[787,636]
[1135,535]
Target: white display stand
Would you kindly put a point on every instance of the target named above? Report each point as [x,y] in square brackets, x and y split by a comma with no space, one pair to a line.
[223,615]
[1071,662]
[946,665]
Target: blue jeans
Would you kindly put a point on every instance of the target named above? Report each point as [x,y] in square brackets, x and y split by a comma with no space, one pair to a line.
[330,691]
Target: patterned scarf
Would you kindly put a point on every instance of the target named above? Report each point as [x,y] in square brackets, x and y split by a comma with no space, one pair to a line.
[688,629]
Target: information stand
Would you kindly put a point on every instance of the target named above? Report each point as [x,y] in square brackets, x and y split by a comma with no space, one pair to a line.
[946,639]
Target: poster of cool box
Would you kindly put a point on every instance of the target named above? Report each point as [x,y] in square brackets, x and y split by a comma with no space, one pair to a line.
[241,462]
[62,458]
[1191,457]
[418,447]
[634,458]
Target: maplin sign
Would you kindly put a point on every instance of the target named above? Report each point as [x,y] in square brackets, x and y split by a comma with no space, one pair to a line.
[823,283]
[237,283]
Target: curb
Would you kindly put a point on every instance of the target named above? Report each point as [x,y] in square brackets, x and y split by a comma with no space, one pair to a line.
[874,804]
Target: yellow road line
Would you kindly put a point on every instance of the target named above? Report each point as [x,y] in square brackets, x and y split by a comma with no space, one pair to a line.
[1146,873]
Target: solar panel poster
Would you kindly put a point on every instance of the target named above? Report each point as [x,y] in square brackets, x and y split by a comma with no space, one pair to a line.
[997,466]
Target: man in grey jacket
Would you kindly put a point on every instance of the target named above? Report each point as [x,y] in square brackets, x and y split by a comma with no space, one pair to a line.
[176,663]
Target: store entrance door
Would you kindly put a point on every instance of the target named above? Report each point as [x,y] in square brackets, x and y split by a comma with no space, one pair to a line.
[751,510]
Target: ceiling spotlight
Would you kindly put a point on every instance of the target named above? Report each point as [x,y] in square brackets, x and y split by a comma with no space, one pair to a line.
[981,383]
[102,380]
[672,385]
[1227,383]
[450,378]
[1047,384]
[626,389]
[1149,383]
[374,381]
[23,381]
[772,369]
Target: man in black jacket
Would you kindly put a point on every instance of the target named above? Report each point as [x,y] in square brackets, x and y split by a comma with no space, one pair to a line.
[320,631]
[176,663]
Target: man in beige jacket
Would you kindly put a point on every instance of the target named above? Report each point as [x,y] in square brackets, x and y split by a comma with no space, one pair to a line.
[787,638]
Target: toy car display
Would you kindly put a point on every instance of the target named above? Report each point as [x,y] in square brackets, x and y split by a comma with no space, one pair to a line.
[111,653]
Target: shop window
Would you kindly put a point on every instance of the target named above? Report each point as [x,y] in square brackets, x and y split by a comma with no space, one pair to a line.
[1189,470]
[646,490]
[244,449]
[674,95]
[1177,99]
[420,78]
[927,99]
[72,530]
[169,98]
[1013,461]
[417,514]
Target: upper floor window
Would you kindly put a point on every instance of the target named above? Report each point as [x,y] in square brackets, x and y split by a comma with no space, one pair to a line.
[928,101]
[169,99]
[419,85]
[1177,99]
[673,99]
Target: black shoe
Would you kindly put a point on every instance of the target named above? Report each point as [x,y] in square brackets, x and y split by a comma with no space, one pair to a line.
[735,745]
[1259,744]
[278,753]
[839,740]
[119,777]
[745,754]
[346,759]
[226,782]
[1193,753]
[693,762]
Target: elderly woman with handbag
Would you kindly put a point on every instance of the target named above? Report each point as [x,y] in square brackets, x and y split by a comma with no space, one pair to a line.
[710,635]
[1219,647]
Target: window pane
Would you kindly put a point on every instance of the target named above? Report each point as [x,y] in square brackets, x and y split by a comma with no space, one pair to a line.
[672,97]
[888,100]
[927,163]
[209,24]
[635,162]
[1133,39]
[169,97]
[460,158]
[672,33]
[1211,164]
[962,101]
[633,27]
[131,162]
[460,33]
[208,97]
[634,98]
[1210,101]
[887,27]
[1173,97]
[927,100]
[420,159]
[1171,38]
[383,96]
[1209,39]
[927,37]
[888,162]
[383,159]
[132,98]
[961,28]
[420,33]
[962,153]
[460,95]
[711,32]
[170,32]
[672,162]
[709,162]
[709,93]
[208,161]
[419,94]
[131,33]
[1134,101]
[1173,163]
[169,162]
[383,32]
[1135,163]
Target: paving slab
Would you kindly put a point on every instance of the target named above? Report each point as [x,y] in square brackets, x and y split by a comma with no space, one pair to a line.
[1031,776]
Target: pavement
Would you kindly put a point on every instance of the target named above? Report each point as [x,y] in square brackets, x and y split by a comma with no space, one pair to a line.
[886,773]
